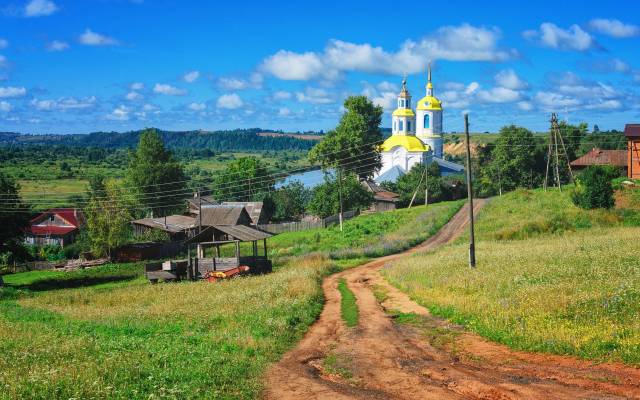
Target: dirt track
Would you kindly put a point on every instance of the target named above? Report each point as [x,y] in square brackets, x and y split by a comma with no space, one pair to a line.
[429,358]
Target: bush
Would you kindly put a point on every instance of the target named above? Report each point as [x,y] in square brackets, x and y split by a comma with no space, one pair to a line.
[594,189]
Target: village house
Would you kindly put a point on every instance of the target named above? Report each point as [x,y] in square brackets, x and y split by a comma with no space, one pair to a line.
[383,200]
[616,158]
[632,133]
[177,227]
[57,226]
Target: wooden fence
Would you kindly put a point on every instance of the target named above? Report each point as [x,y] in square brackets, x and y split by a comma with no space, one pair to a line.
[306,225]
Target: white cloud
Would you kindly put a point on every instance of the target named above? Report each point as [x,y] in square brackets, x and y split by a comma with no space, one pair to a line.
[552,101]
[284,111]
[120,113]
[614,27]
[12,91]
[605,105]
[137,86]
[455,43]
[134,96]
[40,8]
[197,106]
[525,105]
[64,104]
[499,95]
[282,95]
[4,43]
[149,107]
[314,96]
[91,38]
[471,88]
[550,35]
[169,90]
[229,101]
[509,79]
[386,100]
[57,45]
[5,106]
[191,76]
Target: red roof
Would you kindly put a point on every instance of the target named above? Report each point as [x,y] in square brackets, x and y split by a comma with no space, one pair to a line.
[602,157]
[51,230]
[632,130]
[72,217]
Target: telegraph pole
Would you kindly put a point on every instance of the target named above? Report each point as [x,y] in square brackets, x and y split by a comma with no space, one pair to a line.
[472,239]
[340,194]
[426,185]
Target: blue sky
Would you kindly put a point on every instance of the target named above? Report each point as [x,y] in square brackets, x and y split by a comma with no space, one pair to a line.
[82,66]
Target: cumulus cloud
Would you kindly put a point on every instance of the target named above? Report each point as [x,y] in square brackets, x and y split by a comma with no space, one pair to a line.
[509,79]
[282,95]
[168,90]
[552,36]
[197,106]
[133,96]
[229,101]
[120,113]
[57,45]
[12,91]
[284,112]
[5,106]
[614,27]
[4,43]
[191,76]
[314,96]
[234,83]
[91,38]
[455,43]
[64,104]
[499,95]
[40,8]
[137,86]
[525,105]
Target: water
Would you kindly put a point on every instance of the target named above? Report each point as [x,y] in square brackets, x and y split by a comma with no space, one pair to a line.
[309,179]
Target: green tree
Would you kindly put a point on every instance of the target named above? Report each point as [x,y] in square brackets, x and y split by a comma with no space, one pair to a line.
[244,179]
[290,202]
[109,219]
[325,198]
[353,144]
[13,218]
[594,189]
[408,183]
[156,176]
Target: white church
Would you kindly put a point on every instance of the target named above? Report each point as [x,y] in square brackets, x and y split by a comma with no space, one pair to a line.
[416,137]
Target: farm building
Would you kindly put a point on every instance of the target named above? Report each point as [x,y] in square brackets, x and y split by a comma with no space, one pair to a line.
[225,215]
[193,204]
[616,158]
[254,208]
[177,227]
[57,226]
[383,200]
[632,133]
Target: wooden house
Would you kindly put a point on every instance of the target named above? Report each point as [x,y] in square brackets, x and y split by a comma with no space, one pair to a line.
[57,226]
[616,158]
[632,133]
[254,208]
[177,227]
[383,200]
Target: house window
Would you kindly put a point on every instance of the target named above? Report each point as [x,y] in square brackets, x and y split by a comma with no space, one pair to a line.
[401,125]
[426,121]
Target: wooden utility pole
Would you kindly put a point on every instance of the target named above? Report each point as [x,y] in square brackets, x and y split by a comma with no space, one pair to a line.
[199,211]
[472,239]
[553,156]
[340,195]
[426,185]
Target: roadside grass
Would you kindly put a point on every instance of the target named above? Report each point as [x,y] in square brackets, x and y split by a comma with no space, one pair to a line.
[524,214]
[106,333]
[348,306]
[576,294]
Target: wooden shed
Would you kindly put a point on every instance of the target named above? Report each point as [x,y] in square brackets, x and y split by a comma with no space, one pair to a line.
[632,133]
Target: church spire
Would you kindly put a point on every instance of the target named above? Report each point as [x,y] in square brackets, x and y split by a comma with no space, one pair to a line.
[429,85]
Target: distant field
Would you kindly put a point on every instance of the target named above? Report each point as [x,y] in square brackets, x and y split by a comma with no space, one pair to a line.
[293,135]
[51,193]
[550,277]
[107,333]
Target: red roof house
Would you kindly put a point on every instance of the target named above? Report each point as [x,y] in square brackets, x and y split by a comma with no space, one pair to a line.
[596,156]
[57,226]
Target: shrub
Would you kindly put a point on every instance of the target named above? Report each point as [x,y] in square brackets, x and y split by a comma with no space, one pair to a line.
[594,188]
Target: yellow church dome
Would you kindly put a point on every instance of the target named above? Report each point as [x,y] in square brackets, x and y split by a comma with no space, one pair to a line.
[410,143]
[429,103]
[404,112]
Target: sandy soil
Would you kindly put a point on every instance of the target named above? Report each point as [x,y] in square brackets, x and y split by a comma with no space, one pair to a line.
[428,358]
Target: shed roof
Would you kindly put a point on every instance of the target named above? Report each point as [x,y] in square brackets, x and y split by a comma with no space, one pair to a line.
[172,223]
[239,232]
[194,202]
[224,215]
[598,156]
[254,208]
[632,130]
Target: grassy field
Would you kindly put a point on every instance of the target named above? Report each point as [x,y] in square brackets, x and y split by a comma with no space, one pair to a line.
[348,306]
[567,281]
[107,333]
[51,193]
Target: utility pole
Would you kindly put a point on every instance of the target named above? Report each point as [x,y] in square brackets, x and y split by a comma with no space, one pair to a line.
[553,156]
[472,239]
[426,185]
[340,194]
[199,211]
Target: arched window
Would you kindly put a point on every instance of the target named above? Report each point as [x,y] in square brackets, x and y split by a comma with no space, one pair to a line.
[395,126]
[401,128]
[409,126]
[426,121]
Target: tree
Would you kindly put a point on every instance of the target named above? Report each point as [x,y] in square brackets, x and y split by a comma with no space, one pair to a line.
[353,144]
[109,219]
[290,202]
[156,176]
[13,218]
[325,199]
[596,129]
[594,189]
[408,183]
[244,179]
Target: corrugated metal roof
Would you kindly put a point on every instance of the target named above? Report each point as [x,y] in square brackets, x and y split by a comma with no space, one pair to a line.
[632,130]
[172,223]
[602,157]
[243,233]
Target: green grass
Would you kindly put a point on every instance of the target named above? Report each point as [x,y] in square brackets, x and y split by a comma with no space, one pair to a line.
[53,192]
[348,306]
[107,333]
[572,290]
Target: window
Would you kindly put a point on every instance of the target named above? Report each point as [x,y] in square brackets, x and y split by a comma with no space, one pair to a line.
[401,125]
[395,126]
[409,126]
[426,121]
[399,103]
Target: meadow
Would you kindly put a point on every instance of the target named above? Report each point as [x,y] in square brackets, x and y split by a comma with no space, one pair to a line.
[107,333]
[550,277]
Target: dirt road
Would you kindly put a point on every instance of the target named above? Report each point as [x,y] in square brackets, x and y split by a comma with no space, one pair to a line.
[428,358]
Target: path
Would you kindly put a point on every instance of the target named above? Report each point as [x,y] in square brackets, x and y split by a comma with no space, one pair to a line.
[428,359]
